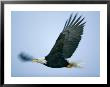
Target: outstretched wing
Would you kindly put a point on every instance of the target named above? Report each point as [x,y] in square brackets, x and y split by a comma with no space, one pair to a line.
[69,38]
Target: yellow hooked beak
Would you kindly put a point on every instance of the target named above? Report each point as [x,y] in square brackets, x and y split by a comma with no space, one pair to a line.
[41,60]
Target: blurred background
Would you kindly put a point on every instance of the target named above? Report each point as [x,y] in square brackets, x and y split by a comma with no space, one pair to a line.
[35,33]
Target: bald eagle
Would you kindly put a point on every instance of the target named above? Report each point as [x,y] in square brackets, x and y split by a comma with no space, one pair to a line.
[65,45]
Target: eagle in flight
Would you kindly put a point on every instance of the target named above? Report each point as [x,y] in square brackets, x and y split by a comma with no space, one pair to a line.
[64,47]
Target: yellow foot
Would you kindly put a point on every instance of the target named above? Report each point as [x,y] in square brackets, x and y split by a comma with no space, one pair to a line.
[73,64]
[70,65]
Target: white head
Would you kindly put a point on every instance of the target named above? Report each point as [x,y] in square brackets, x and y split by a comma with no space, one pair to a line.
[40,60]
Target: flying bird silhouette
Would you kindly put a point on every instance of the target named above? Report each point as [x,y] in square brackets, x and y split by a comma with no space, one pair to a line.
[64,47]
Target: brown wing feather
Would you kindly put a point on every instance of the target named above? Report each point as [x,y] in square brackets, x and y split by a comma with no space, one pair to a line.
[69,38]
